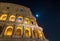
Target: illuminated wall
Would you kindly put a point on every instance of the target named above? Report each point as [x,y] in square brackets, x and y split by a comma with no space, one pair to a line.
[17,22]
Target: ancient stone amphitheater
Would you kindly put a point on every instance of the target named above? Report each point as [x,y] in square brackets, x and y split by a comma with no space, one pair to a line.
[18,24]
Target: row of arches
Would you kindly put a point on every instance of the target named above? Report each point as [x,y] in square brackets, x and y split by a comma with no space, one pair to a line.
[19,32]
[19,19]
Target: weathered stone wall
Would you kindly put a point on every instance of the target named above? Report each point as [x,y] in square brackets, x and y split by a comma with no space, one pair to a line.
[9,8]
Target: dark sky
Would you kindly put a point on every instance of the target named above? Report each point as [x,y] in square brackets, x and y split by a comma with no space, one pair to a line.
[49,15]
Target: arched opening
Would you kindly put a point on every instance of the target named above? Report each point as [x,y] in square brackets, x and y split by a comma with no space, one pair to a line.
[19,31]
[33,22]
[1,29]
[3,17]
[28,32]
[27,21]
[40,34]
[20,19]
[35,33]
[8,31]
[12,18]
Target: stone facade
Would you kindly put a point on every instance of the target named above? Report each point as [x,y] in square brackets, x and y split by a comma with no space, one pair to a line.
[18,24]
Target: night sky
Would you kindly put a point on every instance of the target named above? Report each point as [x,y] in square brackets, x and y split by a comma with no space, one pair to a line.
[48,15]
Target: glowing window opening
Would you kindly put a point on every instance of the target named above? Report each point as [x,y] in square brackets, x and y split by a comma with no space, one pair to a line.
[20,19]
[27,32]
[3,17]
[35,33]
[12,18]
[27,21]
[19,31]
[8,31]
[40,34]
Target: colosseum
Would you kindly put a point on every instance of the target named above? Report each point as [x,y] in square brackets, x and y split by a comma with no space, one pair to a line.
[18,24]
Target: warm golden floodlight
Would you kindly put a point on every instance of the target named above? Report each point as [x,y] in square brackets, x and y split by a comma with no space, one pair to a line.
[18,24]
